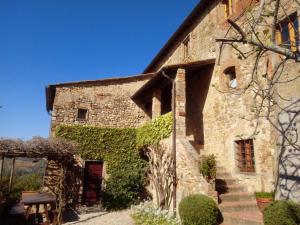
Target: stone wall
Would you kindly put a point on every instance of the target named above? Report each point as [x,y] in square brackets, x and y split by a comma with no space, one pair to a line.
[289,121]
[226,114]
[228,117]
[189,179]
[108,104]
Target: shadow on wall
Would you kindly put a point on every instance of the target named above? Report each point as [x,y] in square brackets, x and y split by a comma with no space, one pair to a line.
[288,184]
[198,83]
[289,176]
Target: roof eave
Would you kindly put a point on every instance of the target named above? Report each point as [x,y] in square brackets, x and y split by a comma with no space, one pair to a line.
[169,69]
[187,23]
[51,89]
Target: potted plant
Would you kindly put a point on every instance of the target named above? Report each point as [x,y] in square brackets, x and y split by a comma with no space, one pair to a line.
[208,168]
[264,199]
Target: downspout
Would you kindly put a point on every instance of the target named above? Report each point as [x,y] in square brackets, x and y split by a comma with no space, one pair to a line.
[173,139]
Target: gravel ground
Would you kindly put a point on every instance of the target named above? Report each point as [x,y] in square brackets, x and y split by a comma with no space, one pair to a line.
[104,218]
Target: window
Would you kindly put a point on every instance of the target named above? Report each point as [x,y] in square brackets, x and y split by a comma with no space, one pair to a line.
[287,33]
[245,155]
[231,76]
[82,114]
[227,8]
[186,47]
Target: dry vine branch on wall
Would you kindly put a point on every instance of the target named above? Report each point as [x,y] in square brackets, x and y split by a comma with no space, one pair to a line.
[161,173]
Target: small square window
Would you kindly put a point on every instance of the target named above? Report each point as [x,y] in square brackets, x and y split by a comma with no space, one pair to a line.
[82,114]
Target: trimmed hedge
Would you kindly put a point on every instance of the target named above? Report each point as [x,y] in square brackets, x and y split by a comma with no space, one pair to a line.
[198,210]
[282,213]
[119,149]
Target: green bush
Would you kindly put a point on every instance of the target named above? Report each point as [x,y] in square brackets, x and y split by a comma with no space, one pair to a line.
[282,213]
[264,194]
[198,210]
[122,189]
[208,167]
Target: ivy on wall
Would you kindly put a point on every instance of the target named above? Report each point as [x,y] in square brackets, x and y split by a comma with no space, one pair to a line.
[118,147]
[154,131]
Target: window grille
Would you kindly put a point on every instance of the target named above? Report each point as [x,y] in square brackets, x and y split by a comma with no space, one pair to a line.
[245,155]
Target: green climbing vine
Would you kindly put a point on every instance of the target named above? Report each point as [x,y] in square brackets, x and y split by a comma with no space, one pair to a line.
[119,149]
[154,131]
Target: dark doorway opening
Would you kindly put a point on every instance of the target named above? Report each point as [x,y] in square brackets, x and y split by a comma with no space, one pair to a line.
[197,86]
[92,182]
[166,99]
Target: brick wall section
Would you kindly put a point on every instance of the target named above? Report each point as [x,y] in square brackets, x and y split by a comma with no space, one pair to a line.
[108,105]
[180,100]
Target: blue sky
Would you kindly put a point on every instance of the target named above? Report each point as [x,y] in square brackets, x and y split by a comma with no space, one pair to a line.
[52,41]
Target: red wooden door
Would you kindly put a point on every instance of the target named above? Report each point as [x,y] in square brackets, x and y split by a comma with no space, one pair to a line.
[92,182]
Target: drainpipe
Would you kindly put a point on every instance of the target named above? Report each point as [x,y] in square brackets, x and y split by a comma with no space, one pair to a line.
[173,139]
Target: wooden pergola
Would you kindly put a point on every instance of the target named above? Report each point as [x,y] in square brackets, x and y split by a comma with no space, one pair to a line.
[58,150]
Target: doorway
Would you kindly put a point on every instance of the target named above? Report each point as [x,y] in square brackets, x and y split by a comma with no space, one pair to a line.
[92,182]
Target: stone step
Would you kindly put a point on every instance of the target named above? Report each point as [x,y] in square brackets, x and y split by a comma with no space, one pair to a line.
[190,138]
[221,168]
[225,181]
[221,174]
[243,218]
[241,206]
[229,188]
[237,196]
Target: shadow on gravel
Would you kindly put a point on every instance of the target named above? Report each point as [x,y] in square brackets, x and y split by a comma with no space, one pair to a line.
[71,216]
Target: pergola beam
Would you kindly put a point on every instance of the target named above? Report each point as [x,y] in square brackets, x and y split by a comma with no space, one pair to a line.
[1,167]
[12,172]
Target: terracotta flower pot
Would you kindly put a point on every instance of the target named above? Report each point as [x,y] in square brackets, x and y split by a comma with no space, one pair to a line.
[263,203]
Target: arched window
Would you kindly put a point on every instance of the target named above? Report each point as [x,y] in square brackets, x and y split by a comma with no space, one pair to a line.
[231,76]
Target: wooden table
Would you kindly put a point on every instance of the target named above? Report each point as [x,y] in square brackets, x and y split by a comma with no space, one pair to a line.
[37,199]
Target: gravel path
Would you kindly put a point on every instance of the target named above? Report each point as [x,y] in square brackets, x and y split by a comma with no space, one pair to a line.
[103,218]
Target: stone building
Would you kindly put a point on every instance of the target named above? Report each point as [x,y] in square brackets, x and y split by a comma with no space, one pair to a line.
[210,117]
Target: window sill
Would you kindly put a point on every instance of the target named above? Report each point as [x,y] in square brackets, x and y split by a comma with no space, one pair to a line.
[247,173]
[81,120]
